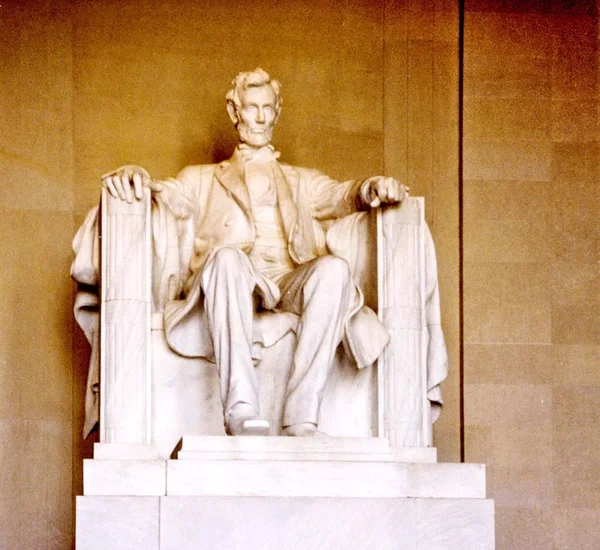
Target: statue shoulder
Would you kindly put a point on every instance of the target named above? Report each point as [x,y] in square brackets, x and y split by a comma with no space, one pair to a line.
[199,174]
[299,172]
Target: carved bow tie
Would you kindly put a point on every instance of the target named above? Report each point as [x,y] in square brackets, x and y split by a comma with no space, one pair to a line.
[264,154]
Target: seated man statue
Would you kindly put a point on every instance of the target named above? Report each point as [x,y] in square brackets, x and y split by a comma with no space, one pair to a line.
[258,243]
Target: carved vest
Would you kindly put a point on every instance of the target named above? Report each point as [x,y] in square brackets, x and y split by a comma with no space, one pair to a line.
[270,252]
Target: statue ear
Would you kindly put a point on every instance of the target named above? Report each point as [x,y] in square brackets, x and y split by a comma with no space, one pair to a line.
[232,110]
[277,115]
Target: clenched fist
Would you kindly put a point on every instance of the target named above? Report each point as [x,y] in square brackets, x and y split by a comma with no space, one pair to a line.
[380,190]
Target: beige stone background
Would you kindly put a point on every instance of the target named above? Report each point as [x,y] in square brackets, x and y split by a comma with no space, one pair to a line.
[531,286]
[369,87]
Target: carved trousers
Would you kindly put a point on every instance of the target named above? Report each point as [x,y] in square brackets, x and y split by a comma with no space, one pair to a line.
[318,292]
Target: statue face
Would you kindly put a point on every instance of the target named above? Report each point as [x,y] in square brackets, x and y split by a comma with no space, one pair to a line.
[257,115]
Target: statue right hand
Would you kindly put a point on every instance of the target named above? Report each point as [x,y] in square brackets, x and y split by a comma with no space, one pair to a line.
[120,181]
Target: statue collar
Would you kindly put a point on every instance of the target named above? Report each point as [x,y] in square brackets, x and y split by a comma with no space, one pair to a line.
[265,154]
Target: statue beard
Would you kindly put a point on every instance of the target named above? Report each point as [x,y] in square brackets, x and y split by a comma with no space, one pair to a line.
[255,139]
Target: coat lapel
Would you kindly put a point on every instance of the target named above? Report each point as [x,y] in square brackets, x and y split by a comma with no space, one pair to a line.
[292,199]
[285,197]
[231,176]
[296,215]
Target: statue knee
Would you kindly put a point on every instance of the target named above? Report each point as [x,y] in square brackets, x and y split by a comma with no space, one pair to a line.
[334,270]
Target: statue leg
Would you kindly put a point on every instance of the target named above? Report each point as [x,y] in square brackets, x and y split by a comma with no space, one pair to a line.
[228,285]
[319,292]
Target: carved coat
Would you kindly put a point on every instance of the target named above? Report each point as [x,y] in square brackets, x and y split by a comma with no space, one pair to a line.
[212,206]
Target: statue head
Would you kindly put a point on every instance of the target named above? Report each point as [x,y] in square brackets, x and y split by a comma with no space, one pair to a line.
[254,105]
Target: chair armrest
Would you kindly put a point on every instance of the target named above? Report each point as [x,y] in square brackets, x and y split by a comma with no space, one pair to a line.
[125,323]
[404,411]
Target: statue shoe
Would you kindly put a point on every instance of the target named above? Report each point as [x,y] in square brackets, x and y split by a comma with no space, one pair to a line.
[242,419]
[302,429]
[247,426]
[254,426]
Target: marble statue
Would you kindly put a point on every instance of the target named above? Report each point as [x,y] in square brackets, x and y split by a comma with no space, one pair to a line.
[233,299]
[246,239]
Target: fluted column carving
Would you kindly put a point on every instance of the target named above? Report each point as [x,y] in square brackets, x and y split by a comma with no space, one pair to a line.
[402,379]
[125,375]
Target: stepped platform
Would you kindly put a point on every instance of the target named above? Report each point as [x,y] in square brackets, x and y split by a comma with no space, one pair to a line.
[277,492]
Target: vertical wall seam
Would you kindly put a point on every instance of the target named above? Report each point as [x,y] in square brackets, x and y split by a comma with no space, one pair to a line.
[461,321]
[74,387]
[407,101]
[383,98]
[433,120]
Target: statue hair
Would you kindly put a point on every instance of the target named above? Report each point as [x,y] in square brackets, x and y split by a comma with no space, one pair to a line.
[251,79]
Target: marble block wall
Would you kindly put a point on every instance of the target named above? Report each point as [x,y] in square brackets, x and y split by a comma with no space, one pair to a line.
[531,267]
[36,229]
[370,88]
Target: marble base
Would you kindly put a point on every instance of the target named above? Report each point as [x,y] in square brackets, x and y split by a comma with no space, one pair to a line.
[332,478]
[286,467]
[124,477]
[189,523]
[277,492]
[124,451]
[373,449]
[117,522]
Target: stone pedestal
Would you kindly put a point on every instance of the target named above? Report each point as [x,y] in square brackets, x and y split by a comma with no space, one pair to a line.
[275,492]
[276,523]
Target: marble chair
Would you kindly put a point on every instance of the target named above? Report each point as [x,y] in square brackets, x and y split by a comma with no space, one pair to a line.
[143,393]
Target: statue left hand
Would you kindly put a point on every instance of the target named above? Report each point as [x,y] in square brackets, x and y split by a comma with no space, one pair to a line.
[383,190]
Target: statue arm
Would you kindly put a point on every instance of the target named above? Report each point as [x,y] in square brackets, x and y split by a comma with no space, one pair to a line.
[177,194]
[127,182]
[331,199]
[177,208]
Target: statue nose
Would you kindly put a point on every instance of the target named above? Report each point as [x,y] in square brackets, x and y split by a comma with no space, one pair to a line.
[260,116]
